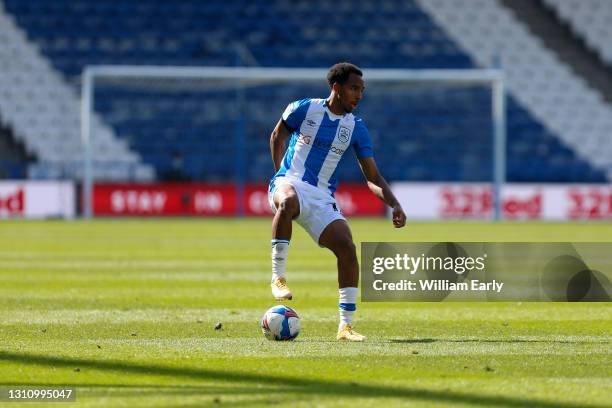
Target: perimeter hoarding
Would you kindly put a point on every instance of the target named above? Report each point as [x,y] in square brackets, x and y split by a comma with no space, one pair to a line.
[555,202]
[203,199]
[37,199]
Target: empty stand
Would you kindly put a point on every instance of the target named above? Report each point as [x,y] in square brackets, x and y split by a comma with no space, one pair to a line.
[555,95]
[591,20]
[443,135]
[43,112]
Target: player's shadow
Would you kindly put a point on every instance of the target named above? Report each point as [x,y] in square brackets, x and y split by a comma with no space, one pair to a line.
[259,384]
[428,340]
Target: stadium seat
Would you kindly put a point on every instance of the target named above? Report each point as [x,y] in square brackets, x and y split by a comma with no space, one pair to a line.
[37,103]
[420,125]
[590,21]
[535,76]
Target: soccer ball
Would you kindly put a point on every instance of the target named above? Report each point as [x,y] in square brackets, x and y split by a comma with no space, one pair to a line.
[280,323]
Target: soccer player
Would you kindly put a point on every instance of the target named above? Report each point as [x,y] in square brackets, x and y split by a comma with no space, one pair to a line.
[320,132]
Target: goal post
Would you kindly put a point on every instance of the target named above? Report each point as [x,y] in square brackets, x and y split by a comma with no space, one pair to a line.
[492,78]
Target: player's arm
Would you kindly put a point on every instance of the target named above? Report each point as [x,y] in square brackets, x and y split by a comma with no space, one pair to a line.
[379,186]
[278,140]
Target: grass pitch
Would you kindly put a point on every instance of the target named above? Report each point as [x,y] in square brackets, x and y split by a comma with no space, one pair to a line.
[125,312]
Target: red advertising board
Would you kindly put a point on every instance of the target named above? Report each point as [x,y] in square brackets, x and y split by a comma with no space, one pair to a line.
[353,199]
[357,199]
[164,199]
[256,200]
[189,199]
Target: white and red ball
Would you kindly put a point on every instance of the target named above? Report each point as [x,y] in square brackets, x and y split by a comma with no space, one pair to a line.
[280,323]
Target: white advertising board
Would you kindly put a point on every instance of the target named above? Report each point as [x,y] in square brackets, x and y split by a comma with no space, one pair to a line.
[37,199]
[520,201]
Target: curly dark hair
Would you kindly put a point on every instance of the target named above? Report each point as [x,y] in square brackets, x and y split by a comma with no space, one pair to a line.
[340,73]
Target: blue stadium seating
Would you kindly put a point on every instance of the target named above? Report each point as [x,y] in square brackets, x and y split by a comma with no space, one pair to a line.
[425,135]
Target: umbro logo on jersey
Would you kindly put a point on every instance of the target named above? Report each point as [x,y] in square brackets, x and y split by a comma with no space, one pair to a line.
[311,122]
[344,134]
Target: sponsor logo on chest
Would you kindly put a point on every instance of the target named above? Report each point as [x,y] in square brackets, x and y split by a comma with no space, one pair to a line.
[332,137]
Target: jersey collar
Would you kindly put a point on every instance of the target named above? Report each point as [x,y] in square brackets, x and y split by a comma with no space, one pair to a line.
[331,114]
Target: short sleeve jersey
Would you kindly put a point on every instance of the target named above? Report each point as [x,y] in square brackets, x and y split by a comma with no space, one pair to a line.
[318,141]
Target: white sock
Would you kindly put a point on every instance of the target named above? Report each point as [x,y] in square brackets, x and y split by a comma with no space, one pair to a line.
[280,248]
[347,305]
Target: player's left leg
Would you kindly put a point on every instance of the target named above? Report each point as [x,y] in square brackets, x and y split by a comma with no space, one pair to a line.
[338,238]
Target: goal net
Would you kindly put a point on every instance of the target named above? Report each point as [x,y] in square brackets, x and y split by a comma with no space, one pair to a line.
[212,124]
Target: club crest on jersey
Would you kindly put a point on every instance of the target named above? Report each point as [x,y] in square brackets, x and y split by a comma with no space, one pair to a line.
[344,134]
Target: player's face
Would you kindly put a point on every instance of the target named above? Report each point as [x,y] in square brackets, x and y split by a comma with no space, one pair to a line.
[351,92]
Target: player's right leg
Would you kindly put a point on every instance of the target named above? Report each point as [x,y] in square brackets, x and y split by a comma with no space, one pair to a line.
[287,208]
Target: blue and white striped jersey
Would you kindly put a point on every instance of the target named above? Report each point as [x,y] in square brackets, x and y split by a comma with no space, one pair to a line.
[318,141]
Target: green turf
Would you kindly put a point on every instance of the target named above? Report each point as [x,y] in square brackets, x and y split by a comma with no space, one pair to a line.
[125,311]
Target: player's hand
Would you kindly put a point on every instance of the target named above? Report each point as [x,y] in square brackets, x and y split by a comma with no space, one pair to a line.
[399,218]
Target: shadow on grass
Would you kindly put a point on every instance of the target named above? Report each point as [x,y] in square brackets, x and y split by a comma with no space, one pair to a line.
[305,386]
[206,396]
[165,389]
[414,341]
